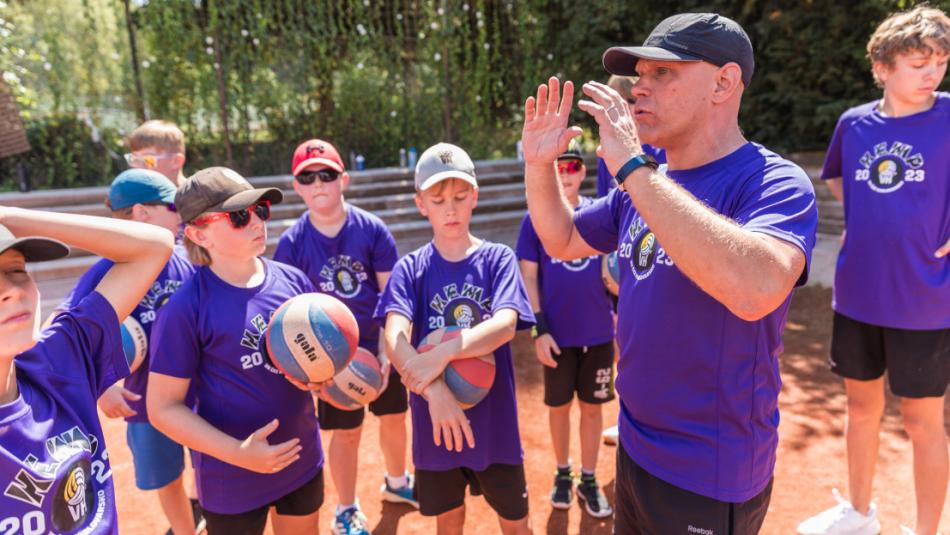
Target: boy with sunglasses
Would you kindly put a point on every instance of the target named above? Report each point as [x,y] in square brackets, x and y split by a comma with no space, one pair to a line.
[254,436]
[158,146]
[147,197]
[573,339]
[349,253]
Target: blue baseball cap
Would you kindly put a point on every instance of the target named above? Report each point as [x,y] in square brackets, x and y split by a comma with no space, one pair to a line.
[139,186]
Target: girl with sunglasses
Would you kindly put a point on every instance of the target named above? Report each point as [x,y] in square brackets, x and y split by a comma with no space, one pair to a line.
[54,466]
[349,253]
[147,197]
[254,437]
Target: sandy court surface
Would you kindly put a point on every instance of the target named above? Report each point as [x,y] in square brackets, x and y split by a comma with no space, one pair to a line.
[810,459]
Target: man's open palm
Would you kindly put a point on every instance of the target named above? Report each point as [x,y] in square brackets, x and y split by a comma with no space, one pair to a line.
[546,135]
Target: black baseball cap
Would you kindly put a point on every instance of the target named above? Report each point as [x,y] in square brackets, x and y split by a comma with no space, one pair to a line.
[34,248]
[219,189]
[573,152]
[688,37]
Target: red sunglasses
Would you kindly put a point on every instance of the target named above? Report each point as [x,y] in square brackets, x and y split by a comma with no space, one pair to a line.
[570,166]
[239,218]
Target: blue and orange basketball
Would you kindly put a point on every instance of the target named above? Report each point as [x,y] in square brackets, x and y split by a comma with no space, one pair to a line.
[469,379]
[610,271]
[312,337]
[134,342]
[357,384]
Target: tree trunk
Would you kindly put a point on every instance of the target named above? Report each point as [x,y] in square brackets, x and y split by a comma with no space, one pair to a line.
[139,100]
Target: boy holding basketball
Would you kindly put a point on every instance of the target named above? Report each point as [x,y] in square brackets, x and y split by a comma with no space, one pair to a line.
[54,466]
[458,280]
[147,197]
[158,146]
[254,437]
[889,162]
[349,253]
[573,339]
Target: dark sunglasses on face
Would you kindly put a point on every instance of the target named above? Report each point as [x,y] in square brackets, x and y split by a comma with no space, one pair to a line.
[325,175]
[569,167]
[170,205]
[240,218]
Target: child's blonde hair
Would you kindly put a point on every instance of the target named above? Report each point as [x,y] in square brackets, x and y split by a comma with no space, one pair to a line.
[162,135]
[906,31]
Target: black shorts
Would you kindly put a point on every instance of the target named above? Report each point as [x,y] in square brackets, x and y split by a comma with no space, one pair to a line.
[917,362]
[650,506]
[304,501]
[589,371]
[393,400]
[504,487]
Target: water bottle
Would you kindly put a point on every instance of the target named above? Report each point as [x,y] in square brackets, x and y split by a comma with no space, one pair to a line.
[360,162]
[412,157]
[519,150]
[402,158]
[352,160]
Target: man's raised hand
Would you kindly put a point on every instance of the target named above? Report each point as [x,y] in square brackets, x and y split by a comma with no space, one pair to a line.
[545,135]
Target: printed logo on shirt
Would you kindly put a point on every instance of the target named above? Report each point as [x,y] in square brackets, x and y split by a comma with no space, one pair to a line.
[254,339]
[342,276]
[157,296]
[887,169]
[465,308]
[576,265]
[641,250]
[75,479]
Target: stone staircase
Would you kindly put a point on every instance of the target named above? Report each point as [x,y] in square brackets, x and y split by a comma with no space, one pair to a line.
[387,192]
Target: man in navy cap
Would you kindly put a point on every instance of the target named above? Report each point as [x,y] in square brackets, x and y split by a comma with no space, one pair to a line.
[709,252]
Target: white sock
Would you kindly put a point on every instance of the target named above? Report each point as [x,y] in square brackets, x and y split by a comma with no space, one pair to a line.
[397,482]
[340,508]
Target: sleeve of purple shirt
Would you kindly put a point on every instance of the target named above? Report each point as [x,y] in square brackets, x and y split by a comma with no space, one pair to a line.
[508,288]
[385,252]
[175,350]
[832,166]
[90,328]
[782,205]
[528,246]
[86,284]
[398,296]
[599,222]
[284,251]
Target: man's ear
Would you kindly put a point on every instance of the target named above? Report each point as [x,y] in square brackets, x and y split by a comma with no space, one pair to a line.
[728,82]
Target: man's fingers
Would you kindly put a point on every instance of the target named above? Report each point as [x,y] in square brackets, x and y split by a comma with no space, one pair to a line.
[567,100]
[566,136]
[554,97]
[529,110]
[603,95]
[542,99]
[598,112]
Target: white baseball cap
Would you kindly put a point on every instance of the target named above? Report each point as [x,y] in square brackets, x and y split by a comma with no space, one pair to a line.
[442,162]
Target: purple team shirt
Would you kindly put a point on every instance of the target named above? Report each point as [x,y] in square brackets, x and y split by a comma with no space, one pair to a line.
[434,293]
[896,182]
[176,271]
[213,334]
[54,468]
[607,182]
[346,265]
[698,385]
[573,297]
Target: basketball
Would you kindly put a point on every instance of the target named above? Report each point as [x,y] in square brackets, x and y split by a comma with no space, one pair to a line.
[312,337]
[357,384]
[469,379]
[134,342]
[610,271]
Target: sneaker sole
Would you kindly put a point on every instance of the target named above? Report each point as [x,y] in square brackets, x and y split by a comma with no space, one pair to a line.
[588,510]
[871,529]
[561,506]
[395,498]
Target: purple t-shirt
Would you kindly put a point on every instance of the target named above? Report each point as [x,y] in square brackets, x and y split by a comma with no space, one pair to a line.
[54,467]
[213,333]
[607,182]
[896,182]
[698,385]
[573,298]
[346,265]
[176,271]
[434,293]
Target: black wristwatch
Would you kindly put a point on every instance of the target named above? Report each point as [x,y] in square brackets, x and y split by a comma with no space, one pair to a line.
[633,164]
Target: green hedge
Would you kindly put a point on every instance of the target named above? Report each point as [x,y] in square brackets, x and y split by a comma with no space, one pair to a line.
[376,76]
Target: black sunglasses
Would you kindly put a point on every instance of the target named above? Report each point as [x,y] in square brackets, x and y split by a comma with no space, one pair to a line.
[170,205]
[325,175]
[239,218]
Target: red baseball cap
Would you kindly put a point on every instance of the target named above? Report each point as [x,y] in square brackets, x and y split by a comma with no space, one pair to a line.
[316,151]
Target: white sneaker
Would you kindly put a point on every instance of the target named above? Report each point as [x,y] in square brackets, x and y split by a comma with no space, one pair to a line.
[610,435]
[842,519]
[907,531]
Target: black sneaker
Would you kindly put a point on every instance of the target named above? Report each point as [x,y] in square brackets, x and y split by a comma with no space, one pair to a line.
[562,495]
[595,503]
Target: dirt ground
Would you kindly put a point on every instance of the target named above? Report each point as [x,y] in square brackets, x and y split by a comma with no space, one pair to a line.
[811,458]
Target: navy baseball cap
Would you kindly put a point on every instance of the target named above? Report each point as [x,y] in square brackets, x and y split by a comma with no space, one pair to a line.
[137,186]
[688,37]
